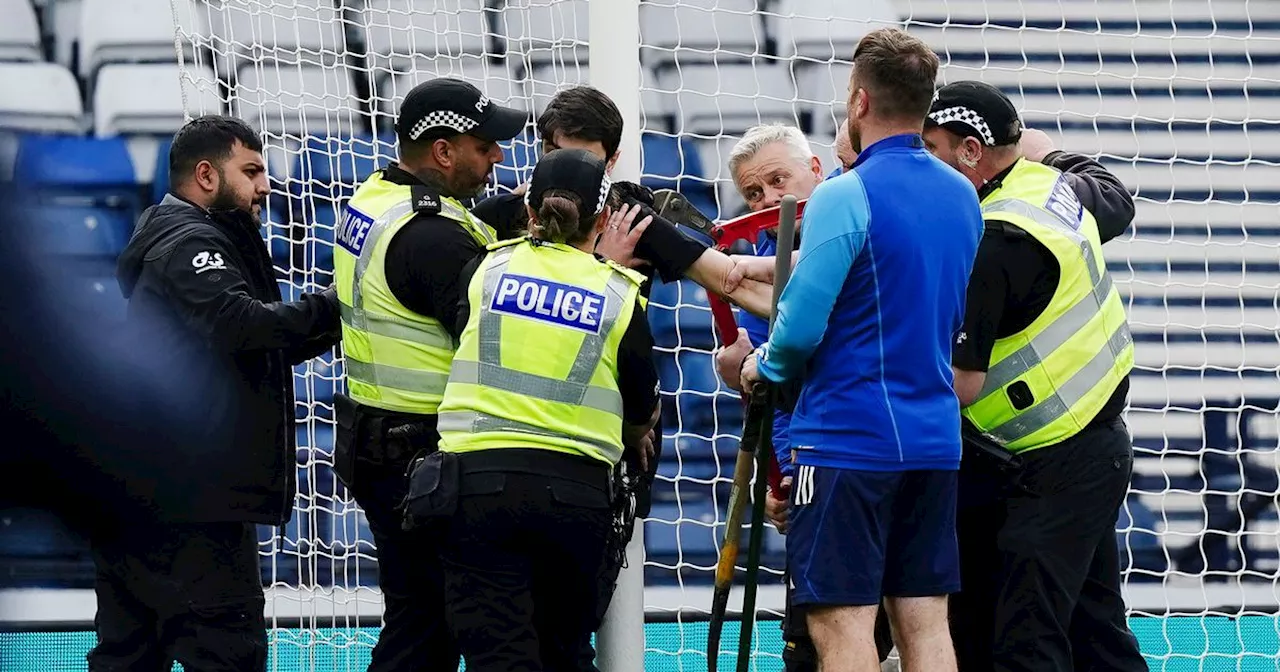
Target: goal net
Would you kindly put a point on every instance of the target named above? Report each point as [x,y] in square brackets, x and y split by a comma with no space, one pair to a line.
[1177,97]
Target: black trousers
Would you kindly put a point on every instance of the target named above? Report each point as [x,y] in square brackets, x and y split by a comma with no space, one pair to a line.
[185,592]
[414,636]
[523,559]
[1040,569]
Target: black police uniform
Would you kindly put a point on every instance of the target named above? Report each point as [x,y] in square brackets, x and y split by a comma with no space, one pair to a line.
[1013,280]
[528,529]
[423,266]
[670,253]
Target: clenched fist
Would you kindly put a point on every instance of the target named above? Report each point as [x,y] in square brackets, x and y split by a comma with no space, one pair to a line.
[729,360]
[777,508]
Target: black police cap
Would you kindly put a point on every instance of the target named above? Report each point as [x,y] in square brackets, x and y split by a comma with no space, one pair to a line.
[976,109]
[574,170]
[458,106]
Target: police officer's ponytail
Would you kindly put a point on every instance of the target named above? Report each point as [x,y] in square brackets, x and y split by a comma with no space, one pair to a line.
[559,218]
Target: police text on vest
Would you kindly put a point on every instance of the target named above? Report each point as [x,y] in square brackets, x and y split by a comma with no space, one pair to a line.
[547,301]
[353,230]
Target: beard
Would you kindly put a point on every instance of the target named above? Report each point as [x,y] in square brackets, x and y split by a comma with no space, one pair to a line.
[855,136]
[465,184]
[225,199]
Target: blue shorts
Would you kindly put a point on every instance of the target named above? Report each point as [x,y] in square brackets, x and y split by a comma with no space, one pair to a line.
[856,536]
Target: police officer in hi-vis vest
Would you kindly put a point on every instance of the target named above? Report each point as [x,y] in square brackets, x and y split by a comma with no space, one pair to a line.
[1041,370]
[401,245]
[552,383]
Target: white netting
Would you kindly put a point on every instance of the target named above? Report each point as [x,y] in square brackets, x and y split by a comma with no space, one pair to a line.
[1178,97]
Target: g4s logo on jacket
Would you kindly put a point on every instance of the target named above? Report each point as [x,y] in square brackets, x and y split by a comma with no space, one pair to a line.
[208,261]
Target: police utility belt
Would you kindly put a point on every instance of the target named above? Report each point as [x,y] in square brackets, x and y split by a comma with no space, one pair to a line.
[378,438]
[438,480]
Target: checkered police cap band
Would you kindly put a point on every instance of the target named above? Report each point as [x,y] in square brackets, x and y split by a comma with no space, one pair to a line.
[442,119]
[605,185]
[967,117]
[600,197]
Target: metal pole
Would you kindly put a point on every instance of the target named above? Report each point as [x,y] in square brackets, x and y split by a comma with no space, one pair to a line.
[614,31]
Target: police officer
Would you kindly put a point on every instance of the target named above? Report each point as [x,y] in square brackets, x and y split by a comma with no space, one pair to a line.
[552,382]
[1041,370]
[401,245]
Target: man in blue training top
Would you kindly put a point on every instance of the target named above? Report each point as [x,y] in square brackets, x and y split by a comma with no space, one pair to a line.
[867,322]
[767,163]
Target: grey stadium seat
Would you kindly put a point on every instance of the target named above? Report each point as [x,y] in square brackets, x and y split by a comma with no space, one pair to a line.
[693,31]
[19,32]
[49,99]
[306,32]
[729,98]
[131,31]
[545,30]
[147,98]
[497,81]
[297,101]
[821,30]
[397,30]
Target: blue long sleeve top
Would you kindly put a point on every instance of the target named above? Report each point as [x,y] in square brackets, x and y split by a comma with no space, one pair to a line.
[871,309]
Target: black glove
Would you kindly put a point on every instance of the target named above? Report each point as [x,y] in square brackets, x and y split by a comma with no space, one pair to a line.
[630,193]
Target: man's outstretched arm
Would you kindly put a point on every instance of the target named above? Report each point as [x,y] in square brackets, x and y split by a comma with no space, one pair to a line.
[714,270]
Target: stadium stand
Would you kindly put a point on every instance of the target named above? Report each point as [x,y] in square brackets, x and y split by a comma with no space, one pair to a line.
[20,32]
[1199,271]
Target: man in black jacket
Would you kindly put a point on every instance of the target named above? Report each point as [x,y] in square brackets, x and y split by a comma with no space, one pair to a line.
[184,583]
[1039,563]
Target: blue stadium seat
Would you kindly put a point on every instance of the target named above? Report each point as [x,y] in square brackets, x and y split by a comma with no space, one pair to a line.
[694,539]
[77,166]
[325,176]
[673,163]
[160,183]
[518,157]
[83,191]
[331,168]
[315,441]
[37,550]
[67,229]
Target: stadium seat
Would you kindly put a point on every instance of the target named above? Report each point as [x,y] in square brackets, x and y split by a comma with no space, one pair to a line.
[38,550]
[699,31]
[668,161]
[821,30]
[518,157]
[695,538]
[331,167]
[822,92]
[397,30]
[728,99]
[160,182]
[495,79]
[82,193]
[297,101]
[19,32]
[148,98]
[48,102]
[543,31]
[132,31]
[80,231]
[290,33]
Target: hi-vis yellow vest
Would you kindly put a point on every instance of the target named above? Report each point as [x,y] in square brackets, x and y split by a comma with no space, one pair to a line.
[395,359]
[1075,354]
[537,365]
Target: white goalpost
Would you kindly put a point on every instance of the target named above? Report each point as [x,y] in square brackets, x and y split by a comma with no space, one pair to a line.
[1180,98]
